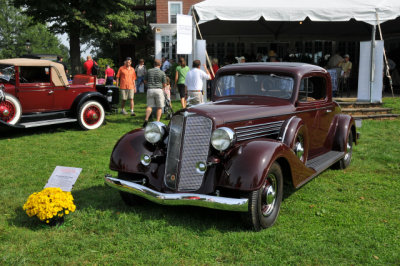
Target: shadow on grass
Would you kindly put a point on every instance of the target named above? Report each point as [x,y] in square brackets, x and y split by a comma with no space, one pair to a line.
[195,218]
[11,133]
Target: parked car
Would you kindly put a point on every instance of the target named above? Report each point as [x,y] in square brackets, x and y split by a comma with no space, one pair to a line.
[36,92]
[268,125]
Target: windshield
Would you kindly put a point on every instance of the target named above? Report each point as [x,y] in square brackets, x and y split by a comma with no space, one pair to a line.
[7,72]
[260,85]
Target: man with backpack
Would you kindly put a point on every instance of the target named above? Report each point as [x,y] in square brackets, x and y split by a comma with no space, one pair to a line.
[90,66]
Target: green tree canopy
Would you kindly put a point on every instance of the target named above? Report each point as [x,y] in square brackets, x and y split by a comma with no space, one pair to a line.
[16,29]
[81,19]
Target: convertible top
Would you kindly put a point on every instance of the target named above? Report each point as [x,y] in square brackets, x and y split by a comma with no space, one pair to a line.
[58,77]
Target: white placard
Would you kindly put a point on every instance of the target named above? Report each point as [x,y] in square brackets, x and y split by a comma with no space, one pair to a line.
[364,74]
[63,177]
[184,34]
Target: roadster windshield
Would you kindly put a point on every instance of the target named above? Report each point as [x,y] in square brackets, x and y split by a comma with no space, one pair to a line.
[260,84]
[6,72]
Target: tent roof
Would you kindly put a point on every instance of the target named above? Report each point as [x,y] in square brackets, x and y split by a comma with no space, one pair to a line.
[298,10]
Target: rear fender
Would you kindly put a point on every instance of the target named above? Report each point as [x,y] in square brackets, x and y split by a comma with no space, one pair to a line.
[247,165]
[338,132]
[92,95]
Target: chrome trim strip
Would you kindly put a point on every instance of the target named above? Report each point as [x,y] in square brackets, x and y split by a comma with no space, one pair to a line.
[258,125]
[191,199]
[287,125]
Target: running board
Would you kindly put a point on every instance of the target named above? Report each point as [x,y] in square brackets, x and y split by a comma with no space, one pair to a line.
[324,161]
[48,122]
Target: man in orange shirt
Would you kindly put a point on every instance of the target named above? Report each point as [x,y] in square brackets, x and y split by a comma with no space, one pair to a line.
[126,77]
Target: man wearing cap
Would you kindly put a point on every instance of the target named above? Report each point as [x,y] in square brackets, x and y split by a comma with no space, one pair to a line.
[194,82]
[126,78]
[346,66]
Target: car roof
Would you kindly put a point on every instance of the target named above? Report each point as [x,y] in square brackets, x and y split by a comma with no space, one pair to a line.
[291,67]
[59,79]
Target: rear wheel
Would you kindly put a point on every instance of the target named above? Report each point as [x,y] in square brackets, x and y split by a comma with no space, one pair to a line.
[91,115]
[10,110]
[264,204]
[345,161]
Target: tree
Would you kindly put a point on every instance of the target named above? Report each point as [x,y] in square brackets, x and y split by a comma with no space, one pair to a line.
[81,19]
[16,29]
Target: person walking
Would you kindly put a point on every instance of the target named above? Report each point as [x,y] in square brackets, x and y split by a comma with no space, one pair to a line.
[155,79]
[181,71]
[141,71]
[126,78]
[194,82]
[109,75]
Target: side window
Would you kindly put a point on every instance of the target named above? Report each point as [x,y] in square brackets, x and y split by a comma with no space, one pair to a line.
[34,74]
[312,89]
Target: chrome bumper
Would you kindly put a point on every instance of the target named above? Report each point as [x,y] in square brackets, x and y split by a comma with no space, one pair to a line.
[213,202]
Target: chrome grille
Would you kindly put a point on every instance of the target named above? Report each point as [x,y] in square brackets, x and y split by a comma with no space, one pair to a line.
[196,146]
[256,131]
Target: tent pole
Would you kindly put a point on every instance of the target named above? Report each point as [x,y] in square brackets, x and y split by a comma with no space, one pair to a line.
[372,69]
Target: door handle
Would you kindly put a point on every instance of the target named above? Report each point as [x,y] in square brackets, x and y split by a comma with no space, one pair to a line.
[51,92]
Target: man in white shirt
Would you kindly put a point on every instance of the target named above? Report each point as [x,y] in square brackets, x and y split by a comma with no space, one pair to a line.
[165,64]
[194,82]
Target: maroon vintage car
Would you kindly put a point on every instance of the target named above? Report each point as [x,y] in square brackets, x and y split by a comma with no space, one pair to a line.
[36,92]
[268,125]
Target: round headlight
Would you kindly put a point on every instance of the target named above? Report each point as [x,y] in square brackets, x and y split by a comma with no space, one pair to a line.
[154,132]
[222,138]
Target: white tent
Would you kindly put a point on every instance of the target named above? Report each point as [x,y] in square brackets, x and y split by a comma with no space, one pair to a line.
[298,10]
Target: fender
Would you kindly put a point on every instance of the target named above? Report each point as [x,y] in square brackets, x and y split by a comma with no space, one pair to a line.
[338,132]
[248,164]
[91,95]
[125,156]
[289,132]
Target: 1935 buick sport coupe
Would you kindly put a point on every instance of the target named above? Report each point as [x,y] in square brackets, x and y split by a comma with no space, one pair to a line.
[36,92]
[268,125]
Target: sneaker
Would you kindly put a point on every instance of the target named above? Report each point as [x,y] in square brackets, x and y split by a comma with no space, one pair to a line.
[145,123]
[133,113]
[123,112]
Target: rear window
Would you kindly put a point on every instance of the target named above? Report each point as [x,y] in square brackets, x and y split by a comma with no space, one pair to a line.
[312,89]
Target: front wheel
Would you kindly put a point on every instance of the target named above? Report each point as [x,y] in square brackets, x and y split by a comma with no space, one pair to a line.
[91,115]
[264,204]
[10,110]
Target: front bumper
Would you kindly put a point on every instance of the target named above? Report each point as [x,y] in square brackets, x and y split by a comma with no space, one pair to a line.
[201,200]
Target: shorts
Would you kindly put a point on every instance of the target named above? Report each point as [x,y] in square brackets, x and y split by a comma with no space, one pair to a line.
[182,91]
[127,94]
[155,98]
[195,97]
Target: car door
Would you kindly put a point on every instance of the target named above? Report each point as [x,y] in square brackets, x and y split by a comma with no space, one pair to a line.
[34,89]
[316,110]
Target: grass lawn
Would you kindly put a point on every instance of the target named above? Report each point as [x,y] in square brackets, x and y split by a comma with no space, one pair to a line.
[348,217]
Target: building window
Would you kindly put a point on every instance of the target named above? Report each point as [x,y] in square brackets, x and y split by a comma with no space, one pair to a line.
[174,8]
[168,46]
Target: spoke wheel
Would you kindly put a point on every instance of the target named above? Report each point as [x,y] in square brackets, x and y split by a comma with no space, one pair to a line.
[264,203]
[91,115]
[10,110]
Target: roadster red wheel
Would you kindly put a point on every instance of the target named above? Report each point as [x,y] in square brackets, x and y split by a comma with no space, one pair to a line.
[91,115]
[10,110]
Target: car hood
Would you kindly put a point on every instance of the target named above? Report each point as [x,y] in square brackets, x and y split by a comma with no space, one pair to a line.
[246,108]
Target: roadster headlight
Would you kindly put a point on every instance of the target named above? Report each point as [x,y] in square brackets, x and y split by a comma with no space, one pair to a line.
[154,132]
[222,138]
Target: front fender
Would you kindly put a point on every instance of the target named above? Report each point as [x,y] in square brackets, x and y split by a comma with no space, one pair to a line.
[248,164]
[125,156]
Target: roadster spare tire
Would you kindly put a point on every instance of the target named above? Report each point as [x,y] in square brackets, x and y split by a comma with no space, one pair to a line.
[10,109]
[264,203]
[91,115]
